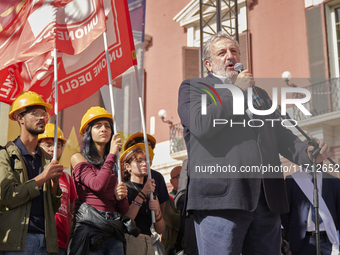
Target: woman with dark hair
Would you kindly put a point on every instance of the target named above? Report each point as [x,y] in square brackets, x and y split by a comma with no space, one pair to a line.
[139,188]
[102,199]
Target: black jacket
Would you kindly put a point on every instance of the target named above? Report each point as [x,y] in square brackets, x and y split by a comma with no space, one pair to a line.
[295,222]
[235,147]
[91,228]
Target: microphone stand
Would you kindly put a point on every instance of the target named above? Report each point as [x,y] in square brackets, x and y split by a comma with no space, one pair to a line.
[314,153]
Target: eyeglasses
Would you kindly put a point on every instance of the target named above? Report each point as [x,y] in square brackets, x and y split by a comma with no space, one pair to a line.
[140,161]
[176,177]
[50,146]
[38,114]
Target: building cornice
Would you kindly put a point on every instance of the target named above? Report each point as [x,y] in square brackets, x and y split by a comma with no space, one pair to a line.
[190,14]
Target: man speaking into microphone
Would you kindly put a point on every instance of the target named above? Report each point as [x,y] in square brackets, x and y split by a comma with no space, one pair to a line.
[234,211]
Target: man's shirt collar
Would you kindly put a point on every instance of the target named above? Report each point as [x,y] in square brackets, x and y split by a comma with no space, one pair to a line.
[222,78]
[23,149]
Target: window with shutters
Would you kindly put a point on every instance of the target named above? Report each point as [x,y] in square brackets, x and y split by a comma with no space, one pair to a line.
[191,62]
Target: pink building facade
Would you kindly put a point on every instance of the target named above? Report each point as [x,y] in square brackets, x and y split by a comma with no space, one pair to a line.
[299,36]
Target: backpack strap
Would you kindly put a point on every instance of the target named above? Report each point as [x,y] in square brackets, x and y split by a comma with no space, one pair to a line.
[11,157]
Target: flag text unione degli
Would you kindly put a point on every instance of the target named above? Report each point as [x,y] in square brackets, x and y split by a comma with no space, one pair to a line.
[87,77]
[79,32]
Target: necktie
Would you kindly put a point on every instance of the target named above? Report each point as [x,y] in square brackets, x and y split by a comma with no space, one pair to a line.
[313,212]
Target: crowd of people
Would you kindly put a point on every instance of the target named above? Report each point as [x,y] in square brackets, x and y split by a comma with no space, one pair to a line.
[44,210]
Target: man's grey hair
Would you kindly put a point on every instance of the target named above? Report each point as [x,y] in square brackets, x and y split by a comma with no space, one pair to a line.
[214,38]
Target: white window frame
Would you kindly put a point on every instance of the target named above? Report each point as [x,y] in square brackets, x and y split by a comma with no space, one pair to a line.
[333,51]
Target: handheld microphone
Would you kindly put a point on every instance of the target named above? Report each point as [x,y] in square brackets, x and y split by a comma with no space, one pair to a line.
[238,67]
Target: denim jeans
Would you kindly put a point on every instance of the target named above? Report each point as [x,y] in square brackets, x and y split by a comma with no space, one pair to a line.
[62,251]
[109,215]
[111,246]
[35,245]
[232,232]
[309,246]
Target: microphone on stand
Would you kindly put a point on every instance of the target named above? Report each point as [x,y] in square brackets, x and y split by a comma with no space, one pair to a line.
[238,67]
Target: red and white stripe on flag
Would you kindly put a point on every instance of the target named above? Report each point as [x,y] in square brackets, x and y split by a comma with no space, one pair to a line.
[11,84]
[8,10]
[41,25]
[79,76]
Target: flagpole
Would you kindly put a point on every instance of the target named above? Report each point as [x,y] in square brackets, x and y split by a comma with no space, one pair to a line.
[55,104]
[145,137]
[142,115]
[112,101]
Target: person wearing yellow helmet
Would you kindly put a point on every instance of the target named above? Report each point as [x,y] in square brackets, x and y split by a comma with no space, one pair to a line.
[64,216]
[139,138]
[161,190]
[29,181]
[135,171]
[46,140]
[97,185]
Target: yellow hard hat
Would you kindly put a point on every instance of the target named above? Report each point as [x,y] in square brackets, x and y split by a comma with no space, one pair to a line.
[134,147]
[93,113]
[141,139]
[49,133]
[26,99]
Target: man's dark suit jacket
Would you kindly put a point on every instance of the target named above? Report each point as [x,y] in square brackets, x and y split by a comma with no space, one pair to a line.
[235,146]
[295,221]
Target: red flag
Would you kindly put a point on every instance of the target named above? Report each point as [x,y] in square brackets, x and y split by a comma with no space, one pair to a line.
[79,76]
[40,26]
[11,84]
[8,10]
